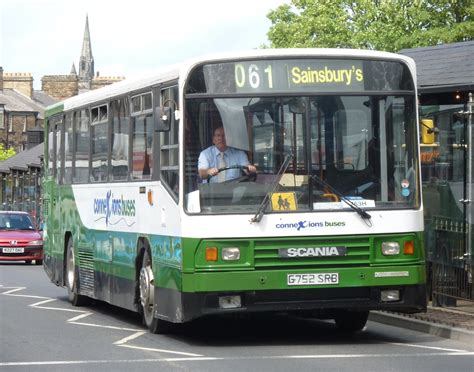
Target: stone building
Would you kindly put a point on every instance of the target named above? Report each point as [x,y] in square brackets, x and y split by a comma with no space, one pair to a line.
[21,128]
[21,111]
[20,81]
[20,182]
[22,108]
[64,86]
[21,125]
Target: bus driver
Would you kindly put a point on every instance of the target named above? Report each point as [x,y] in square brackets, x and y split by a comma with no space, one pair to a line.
[219,155]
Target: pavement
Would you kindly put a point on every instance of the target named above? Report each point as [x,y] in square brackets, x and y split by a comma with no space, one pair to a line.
[456,323]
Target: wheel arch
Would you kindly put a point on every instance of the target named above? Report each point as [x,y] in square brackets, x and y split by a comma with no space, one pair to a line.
[67,237]
[142,245]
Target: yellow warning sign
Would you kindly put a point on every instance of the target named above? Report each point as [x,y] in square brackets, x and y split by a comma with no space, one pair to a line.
[284,201]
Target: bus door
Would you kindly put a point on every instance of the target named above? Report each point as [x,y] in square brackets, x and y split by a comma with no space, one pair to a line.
[52,248]
[447,198]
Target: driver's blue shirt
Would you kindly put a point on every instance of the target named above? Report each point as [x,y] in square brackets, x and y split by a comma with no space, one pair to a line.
[208,158]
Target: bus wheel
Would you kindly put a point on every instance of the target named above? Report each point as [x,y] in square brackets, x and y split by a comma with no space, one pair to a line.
[147,298]
[72,280]
[351,321]
[39,262]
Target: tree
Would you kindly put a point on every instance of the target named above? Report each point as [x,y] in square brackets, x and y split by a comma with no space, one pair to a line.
[388,25]
[6,153]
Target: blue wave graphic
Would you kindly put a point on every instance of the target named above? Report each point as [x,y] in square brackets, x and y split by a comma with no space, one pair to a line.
[115,223]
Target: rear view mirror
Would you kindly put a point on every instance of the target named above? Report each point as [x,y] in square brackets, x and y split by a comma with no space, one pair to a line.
[297,106]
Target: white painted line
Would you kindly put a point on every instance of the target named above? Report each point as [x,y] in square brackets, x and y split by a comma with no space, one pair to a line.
[343,356]
[16,289]
[161,350]
[129,338]
[427,347]
[107,327]
[52,363]
[26,296]
[74,320]
[13,289]
[82,316]
[42,302]
[71,362]
[59,309]
[192,359]
[82,312]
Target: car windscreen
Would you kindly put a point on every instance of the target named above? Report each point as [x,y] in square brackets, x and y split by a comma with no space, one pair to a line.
[15,222]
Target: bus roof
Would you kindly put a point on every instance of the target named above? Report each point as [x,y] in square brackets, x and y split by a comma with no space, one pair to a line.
[173,72]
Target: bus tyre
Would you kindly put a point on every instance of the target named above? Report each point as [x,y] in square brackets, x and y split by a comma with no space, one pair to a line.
[147,298]
[72,280]
[39,262]
[351,321]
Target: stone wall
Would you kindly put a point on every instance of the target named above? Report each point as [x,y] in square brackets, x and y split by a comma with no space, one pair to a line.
[102,81]
[60,86]
[66,86]
[17,137]
[20,81]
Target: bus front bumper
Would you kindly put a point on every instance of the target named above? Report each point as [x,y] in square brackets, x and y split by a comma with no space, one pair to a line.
[187,306]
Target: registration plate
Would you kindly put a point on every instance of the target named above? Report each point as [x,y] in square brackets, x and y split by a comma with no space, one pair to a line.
[312,279]
[13,250]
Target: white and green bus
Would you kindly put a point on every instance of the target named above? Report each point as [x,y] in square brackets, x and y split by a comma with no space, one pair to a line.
[330,225]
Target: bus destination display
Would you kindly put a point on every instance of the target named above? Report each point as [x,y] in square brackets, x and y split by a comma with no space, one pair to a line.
[298,76]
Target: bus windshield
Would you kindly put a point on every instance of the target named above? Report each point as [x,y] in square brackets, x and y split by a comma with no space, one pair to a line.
[362,146]
[348,125]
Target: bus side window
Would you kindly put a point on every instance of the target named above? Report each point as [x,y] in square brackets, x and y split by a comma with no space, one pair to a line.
[68,148]
[82,145]
[51,147]
[54,147]
[142,137]
[120,139]
[169,142]
[100,143]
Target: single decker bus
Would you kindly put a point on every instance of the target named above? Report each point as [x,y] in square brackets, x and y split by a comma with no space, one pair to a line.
[330,225]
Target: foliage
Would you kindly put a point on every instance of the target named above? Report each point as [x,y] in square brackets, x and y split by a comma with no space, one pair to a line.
[388,25]
[6,153]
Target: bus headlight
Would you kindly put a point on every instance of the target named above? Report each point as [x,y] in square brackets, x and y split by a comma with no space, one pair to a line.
[390,248]
[230,254]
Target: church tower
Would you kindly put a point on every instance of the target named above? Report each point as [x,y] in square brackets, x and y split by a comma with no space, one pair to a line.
[86,62]
[64,86]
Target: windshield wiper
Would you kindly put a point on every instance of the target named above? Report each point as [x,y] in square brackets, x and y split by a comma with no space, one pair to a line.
[261,210]
[346,200]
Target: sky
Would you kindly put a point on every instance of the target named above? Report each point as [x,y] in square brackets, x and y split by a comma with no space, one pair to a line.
[128,38]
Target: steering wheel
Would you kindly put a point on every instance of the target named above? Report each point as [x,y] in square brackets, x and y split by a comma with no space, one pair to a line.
[246,177]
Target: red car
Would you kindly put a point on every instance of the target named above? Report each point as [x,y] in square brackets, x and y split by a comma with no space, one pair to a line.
[19,239]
